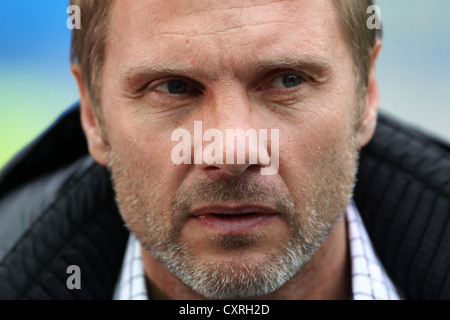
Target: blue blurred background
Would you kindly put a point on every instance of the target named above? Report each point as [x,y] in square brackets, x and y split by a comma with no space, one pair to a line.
[36,85]
[35,80]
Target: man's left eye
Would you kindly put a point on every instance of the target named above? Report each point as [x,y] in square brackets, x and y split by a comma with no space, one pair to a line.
[287,81]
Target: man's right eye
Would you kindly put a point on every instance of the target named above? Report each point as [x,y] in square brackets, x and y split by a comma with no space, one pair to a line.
[175,87]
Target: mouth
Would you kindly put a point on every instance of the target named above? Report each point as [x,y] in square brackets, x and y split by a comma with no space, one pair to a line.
[233,219]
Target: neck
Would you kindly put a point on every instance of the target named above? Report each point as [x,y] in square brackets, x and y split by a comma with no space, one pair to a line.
[325,277]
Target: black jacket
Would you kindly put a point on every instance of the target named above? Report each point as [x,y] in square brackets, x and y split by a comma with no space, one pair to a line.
[57,209]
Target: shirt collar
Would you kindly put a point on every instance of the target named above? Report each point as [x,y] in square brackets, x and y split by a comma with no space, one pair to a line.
[131,284]
[369,278]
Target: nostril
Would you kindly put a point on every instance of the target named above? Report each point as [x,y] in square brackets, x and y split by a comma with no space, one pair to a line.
[230,170]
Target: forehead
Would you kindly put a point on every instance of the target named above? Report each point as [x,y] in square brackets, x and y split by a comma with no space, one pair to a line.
[219,33]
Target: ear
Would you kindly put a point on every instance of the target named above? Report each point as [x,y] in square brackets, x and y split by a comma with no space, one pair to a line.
[369,120]
[89,122]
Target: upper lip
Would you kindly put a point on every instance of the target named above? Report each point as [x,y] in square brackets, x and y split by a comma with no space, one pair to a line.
[221,209]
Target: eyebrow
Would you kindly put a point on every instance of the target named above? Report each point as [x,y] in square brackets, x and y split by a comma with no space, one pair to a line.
[317,65]
[135,74]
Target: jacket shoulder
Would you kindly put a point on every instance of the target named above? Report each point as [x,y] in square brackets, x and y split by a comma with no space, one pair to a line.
[57,210]
[403,194]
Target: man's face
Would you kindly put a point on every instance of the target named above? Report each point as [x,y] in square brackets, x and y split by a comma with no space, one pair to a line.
[225,230]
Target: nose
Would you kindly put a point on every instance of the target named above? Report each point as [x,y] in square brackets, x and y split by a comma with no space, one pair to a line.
[239,152]
[231,142]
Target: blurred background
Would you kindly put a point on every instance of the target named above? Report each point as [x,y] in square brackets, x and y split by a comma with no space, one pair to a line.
[36,85]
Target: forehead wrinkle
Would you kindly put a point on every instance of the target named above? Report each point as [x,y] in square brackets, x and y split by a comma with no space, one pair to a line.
[184,34]
[222,10]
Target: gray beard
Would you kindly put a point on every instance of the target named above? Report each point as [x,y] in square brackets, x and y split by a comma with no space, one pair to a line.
[246,279]
[237,280]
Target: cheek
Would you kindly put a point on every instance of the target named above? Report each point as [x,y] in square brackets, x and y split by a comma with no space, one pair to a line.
[315,153]
[145,154]
[309,138]
[145,182]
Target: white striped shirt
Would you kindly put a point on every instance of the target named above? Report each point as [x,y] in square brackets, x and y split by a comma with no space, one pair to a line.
[369,278]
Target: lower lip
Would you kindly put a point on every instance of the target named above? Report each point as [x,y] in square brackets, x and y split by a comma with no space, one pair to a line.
[235,224]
